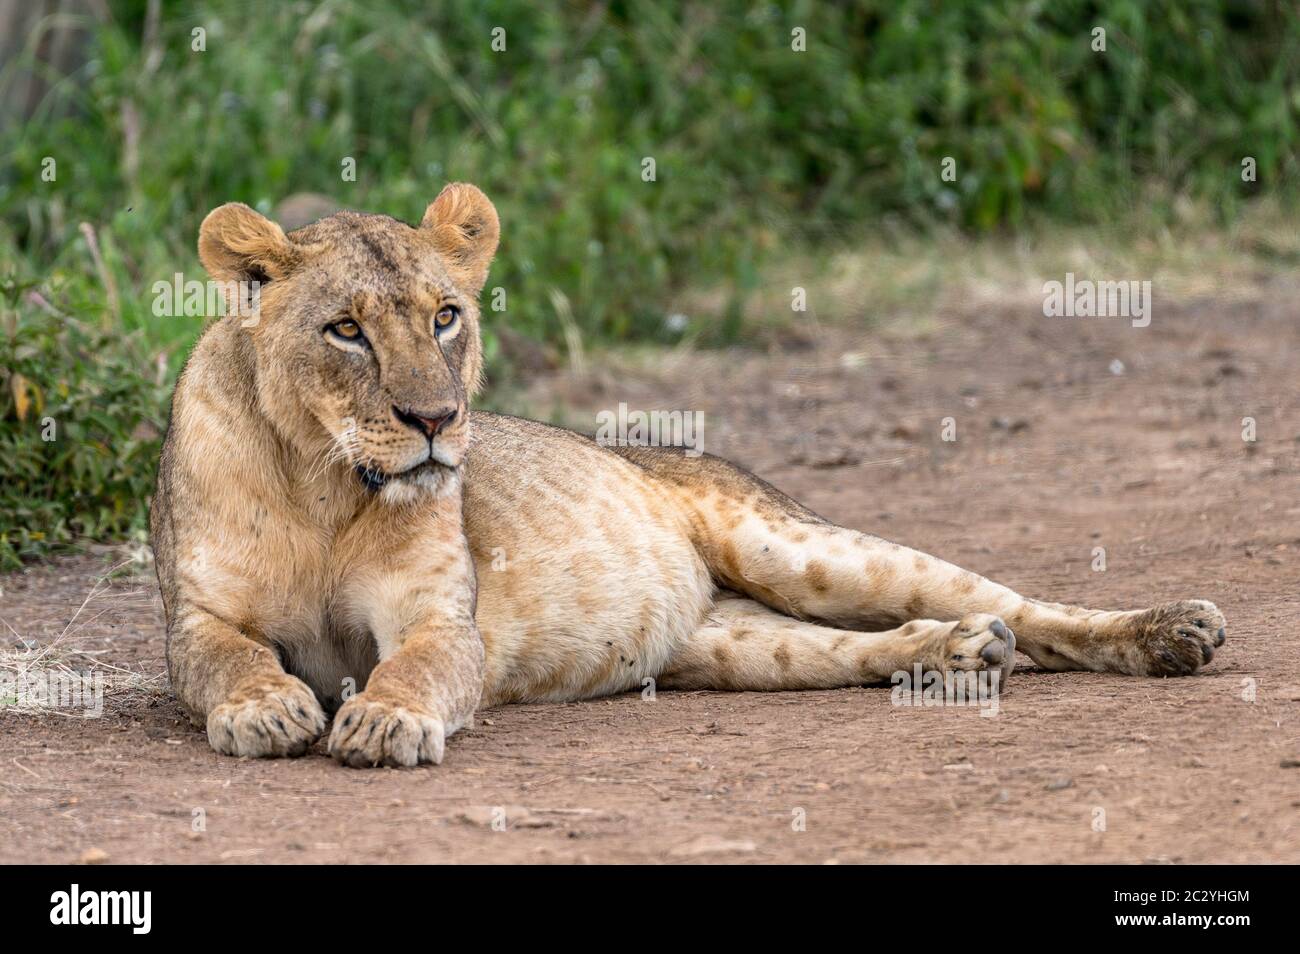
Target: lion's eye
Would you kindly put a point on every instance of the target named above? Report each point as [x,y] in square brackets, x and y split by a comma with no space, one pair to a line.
[347,329]
[445,318]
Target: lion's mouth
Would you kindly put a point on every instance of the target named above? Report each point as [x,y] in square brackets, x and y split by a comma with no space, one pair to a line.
[375,480]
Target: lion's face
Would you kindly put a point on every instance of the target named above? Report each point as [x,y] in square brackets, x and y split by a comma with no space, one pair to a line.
[367,341]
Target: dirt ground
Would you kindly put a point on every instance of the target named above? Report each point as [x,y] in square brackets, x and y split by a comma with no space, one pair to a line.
[1071,434]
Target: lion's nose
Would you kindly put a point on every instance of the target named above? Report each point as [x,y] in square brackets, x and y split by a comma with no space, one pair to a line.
[429,423]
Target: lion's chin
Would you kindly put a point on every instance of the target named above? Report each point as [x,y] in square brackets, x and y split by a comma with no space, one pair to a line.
[429,480]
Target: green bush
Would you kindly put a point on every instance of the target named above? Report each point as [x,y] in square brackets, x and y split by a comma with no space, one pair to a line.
[757,149]
[80,420]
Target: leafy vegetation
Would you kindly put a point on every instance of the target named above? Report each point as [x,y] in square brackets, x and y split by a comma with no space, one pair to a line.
[81,428]
[758,149]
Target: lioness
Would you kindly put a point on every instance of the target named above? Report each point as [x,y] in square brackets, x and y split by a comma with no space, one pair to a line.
[320,466]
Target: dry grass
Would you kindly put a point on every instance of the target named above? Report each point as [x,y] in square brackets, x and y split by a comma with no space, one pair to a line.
[900,286]
[896,283]
[29,667]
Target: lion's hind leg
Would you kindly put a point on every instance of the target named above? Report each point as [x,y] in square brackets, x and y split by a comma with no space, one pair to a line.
[759,542]
[744,645]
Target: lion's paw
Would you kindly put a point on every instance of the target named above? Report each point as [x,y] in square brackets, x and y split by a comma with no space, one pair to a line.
[273,717]
[1176,639]
[370,732]
[980,641]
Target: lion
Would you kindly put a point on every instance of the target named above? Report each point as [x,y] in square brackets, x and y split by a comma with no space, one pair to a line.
[336,532]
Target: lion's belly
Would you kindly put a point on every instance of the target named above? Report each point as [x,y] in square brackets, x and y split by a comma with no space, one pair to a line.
[586,579]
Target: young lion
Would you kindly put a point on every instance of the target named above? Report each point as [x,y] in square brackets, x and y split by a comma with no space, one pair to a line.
[311,536]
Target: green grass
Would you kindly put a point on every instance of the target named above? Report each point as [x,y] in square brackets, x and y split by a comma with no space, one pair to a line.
[762,154]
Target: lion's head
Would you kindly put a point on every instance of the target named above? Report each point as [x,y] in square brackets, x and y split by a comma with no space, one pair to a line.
[366,339]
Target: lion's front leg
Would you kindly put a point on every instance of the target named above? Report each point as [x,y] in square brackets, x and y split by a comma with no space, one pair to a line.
[416,598]
[235,686]
[413,701]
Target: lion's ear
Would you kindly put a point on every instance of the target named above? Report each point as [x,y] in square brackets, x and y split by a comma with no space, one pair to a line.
[238,244]
[465,229]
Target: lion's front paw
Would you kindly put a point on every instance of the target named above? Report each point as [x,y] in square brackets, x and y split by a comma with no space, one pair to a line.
[369,732]
[272,717]
[1176,639]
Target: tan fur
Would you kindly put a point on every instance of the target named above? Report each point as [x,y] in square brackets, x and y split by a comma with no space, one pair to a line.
[525,562]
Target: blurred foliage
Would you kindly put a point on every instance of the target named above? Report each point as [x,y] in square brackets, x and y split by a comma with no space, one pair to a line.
[756,147]
[79,428]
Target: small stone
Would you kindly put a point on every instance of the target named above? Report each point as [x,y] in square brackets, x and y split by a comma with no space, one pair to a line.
[509,816]
[1057,784]
[853,359]
[1010,424]
[481,815]
[93,856]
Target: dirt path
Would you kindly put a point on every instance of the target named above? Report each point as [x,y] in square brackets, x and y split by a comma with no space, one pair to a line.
[1059,450]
